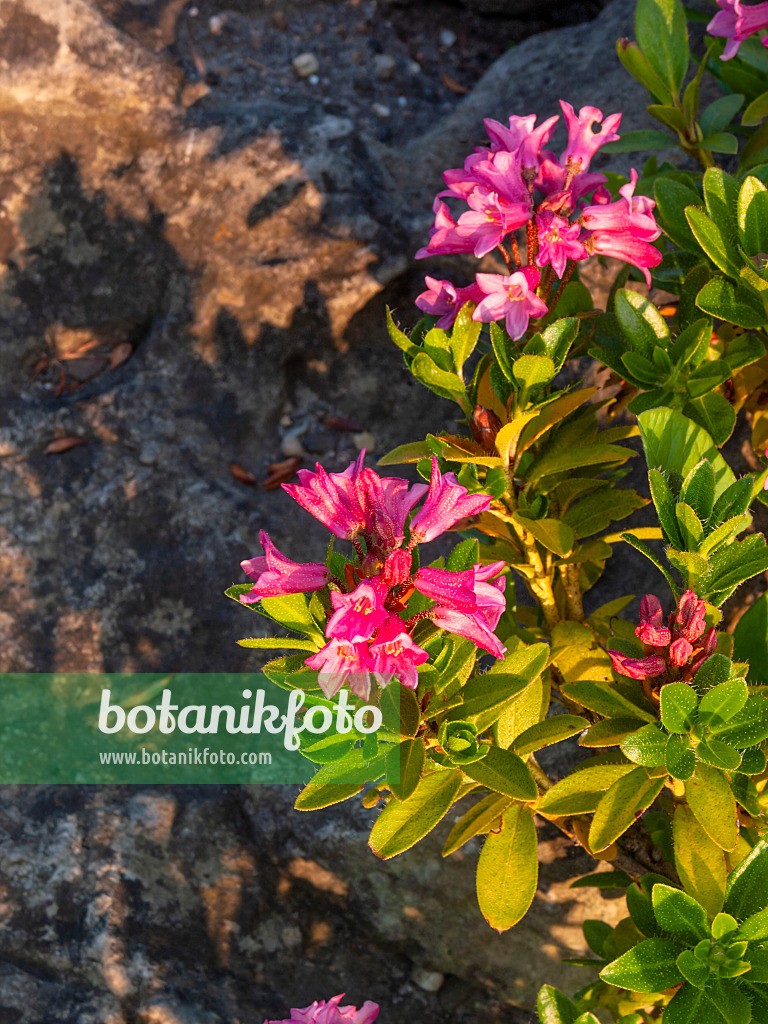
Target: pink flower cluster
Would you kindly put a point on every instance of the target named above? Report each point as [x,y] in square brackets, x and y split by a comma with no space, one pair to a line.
[674,651]
[499,185]
[736,22]
[366,632]
[331,1013]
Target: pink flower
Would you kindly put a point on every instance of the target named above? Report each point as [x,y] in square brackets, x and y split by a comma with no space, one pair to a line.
[638,668]
[468,591]
[689,621]
[490,220]
[275,574]
[522,136]
[469,626]
[444,237]
[631,213]
[680,652]
[395,654]
[397,568]
[553,175]
[332,1013]
[583,142]
[736,22]
[651,610]
[558,241]
[357,615]
[487,172]
[445,300]
[341,662]
[446,503]
[338,500]
[623,247]
[392,499]
[511,297]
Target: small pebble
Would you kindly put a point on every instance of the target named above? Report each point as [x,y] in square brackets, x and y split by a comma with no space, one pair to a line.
[216,23]
[380,110]
[447,38]
[413,67]
[364,439]
[291,446]
[306,64]
[402,101]
[429,981]
[384,66]
[314,79]
[194,11]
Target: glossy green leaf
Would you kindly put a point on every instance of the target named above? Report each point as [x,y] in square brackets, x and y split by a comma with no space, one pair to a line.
[707,377]
[730,1001]
[689,525]
[722,702]
[646,747]
[648,967]
[662,35]
[533,371]
[443,383]
[503,772]
[715,414]
[679,758]
[664,501]
[464,335]
[402,824]
[400,339]
[507,870]
[724,300]
[641,322]
[674,443]
[582,790]
[715,242]
[692,969]
[476,821]
[551,730]
[752,213]
[692,1005]
[315,796]
[609,732]
[292,612]
[555,535]
[617,809]
[672,197]
[750,640]
[719,114]
[755,928]
[747,727]
[678,705]
[747,889]
[679,914]
[710,798]
[607,699]
[405,763]
[555,1007]
[558,460]
[278,643]
[641,371]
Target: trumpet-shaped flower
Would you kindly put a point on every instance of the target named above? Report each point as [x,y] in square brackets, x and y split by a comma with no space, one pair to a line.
[736,21]
[522,136]
[469,591]
[274,574]
[558,241]
[341,662]
[394,653]
[444,300]
[357,615]
[490,219]
[513,298]
[472,627]
[331,1013]
[444,237]
[446,503]
[583,141]
[338,500]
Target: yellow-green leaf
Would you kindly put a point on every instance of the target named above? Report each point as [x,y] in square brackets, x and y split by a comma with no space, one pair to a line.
[508,870]
[477,821]
[710,798]
[402,824]
[616,811]
[700,862]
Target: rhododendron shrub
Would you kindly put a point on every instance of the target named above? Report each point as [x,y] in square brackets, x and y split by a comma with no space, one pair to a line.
[486,657]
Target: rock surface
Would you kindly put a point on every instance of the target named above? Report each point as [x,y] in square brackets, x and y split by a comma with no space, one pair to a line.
[193,278]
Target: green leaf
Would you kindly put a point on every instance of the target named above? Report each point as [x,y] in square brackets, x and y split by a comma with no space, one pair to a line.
[692,1005]
[744,350]
[405,763]
[662,34]
[707,377]
[692,969]
[603,880]
[664,501]
[671,116]
[720,704]
[714,241]
[464,335]
[699,862]
[721,192]
[504,350]
[618,808]
[554,1007]
[292,612]
[443,383]
[720,142]
[402,824]
[503,772]
[750,640]
[648,967]
[641,322]
[533,371]
[739,562]
[477,821]
[756,111]
[414,451]
[734,305]
[641,371]
[640,141]
[554,534]
[747,889]
[400,709]
[678,704]
[508,869]
[598,510]
[679,914]
[751,214]
[316,796]
[582,790]
[646,747]
[690,527]
[558,460]
[607,699]
[719,114]
[755,928]
[679,758]
[551,730]
[672,197]
[278,643]
[710,798]
[676,444]
[401,340]
[609,732]
[488,694]
[715,413]
[730,1001]
[699,490]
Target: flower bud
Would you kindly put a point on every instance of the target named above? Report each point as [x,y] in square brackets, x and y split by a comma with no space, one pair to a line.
[485,425]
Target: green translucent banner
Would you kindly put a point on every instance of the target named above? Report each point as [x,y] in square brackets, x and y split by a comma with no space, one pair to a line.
[185,728]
